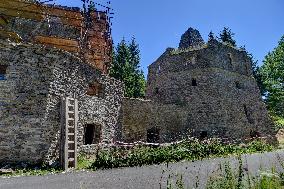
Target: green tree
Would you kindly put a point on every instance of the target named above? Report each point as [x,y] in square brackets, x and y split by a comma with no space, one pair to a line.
[126,67]
[211,36]
[227,36]
[272,75]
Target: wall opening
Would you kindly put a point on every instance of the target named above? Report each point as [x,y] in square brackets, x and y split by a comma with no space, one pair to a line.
[3,69]
[153,135]
[158,70]
[230,61]
[193,82]
[248,115]
[238,85]
[92,134]
[96,89]
[230,58]
[203,135]
[157,90]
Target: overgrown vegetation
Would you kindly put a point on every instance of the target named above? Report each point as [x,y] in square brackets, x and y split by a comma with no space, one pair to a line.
[192,149]
[229,178]
[272,74]
[31,170]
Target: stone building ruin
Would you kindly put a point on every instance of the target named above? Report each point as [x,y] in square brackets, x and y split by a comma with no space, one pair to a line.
[57,99]
[200,89]
[56,96]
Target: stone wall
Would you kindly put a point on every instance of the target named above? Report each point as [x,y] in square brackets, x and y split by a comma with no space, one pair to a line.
[202,91]
[61,27]
[141,115]
[36,79]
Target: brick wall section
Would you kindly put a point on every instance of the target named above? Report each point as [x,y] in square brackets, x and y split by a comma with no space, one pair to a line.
[36,79]
[59,27]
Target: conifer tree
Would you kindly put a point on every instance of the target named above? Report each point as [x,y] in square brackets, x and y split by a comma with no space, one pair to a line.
[126,68]
[211,36]
[226,36]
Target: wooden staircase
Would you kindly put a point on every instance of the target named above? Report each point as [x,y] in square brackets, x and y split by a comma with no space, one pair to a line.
[69,120]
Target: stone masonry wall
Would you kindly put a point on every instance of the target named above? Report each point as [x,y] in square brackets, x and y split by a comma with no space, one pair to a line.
[140,115]
[61,27]
[37,77]
[207,91]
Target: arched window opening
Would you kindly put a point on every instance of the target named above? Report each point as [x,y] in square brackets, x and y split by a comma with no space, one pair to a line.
[153,135]
[92,134]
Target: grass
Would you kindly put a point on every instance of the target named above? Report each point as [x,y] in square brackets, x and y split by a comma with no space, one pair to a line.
[235,179]
[242,180]
[33,171]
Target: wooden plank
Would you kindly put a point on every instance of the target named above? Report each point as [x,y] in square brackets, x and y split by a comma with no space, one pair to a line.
[60,43]
[76,108]
[63,136]
[66,163]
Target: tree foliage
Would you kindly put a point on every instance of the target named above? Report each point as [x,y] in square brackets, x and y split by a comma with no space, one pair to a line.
[126,68]
[211,36]
[272,75]
[227,36]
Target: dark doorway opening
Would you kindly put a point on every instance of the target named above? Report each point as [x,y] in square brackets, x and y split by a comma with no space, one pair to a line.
[92,134]
[203,135]
[153,135]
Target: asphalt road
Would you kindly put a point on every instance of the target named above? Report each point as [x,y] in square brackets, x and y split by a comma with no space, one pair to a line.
[152,177]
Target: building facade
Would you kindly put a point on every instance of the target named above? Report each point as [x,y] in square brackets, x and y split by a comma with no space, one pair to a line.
[48,54]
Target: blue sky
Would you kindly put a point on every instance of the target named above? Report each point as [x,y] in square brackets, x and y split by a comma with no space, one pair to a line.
[158,24]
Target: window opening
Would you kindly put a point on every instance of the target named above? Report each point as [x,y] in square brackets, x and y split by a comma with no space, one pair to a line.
[159,69]
[153,135]
[157,90]
[248,115]
[3,69]
[96,89]
[193,82]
